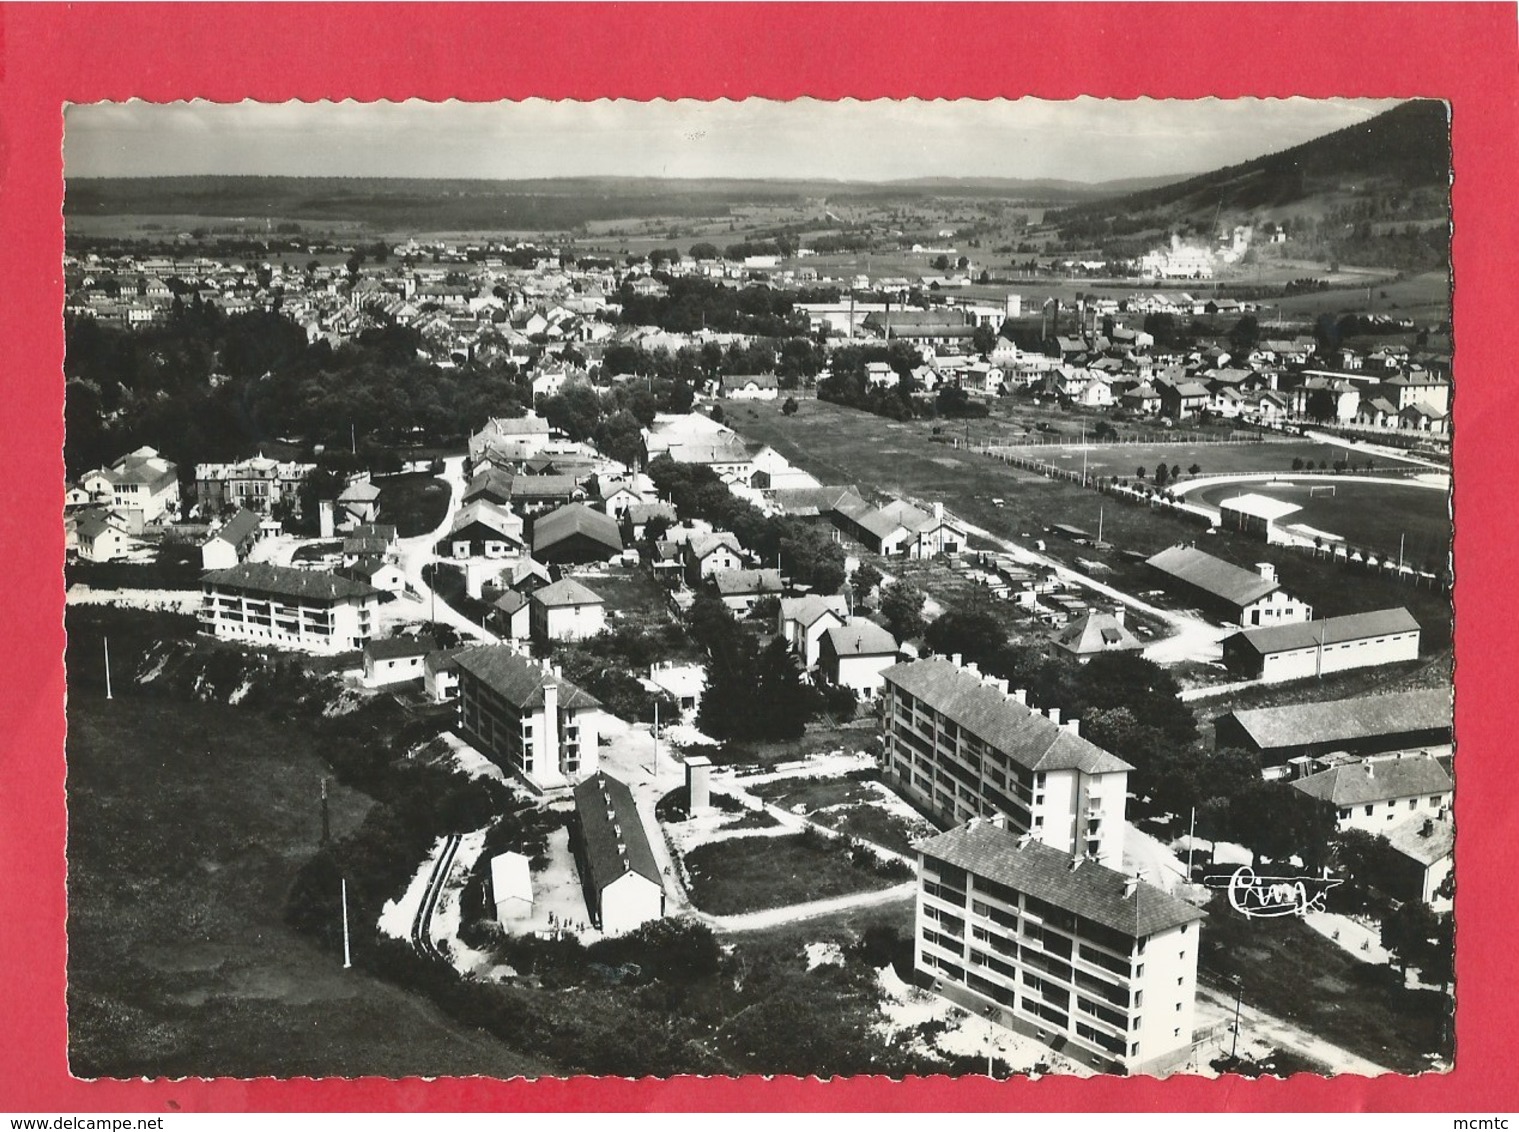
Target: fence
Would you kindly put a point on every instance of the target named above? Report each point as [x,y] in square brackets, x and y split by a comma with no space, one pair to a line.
[1174,439]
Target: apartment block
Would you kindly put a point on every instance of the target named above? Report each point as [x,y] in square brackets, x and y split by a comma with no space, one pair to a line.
[277,605]
[1096,964]
[964,746]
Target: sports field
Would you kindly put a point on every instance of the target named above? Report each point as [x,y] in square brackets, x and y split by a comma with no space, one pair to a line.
[1210,459]
[1366,515]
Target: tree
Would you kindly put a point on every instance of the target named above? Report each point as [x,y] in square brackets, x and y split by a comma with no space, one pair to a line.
[979,637]
[1175,472]
[1140,474]
[941,263]
[983,339]
[1194,469]
[1409,932]
[865,579]
[1162,474]
[789,407]
[901,604]
[1244,336]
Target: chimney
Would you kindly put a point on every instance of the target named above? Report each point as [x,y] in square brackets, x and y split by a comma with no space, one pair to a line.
[938,511]
[1118,614]
[1075,863]
[999,821]
[1267,571]
[1073,726]
[1000,684]
[955,659]
[1021,695]
[1024,839]
[1054,714]
[973,669]
[1428,828]
[1369,772]
[1130,887]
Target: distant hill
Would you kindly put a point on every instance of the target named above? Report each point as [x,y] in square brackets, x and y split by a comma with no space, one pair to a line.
[1391,168]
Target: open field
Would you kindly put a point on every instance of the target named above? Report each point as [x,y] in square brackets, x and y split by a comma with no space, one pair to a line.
[1125,460]
[413,502]
[841,445]
[1289,970]
[863,809]
[750,874]
[1368,515]
[187,824]
[819,738]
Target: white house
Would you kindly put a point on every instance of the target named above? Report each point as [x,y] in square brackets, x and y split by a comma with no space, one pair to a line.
[853,655]
[566,611]
[396,660]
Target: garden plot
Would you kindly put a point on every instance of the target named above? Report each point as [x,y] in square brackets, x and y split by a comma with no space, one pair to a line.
[861,808]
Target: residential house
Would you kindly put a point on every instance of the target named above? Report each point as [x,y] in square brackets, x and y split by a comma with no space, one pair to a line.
[1425,389]
[440,675]
[963,746]
[231,542]
[709,553]
[751,387]
[804,620]
[618,870]
[739,590]
[482,529]
[1423,855]
[511,615]
[526,717]
[1243,597]
[255,484]
[279,605]
[1182,400]
[1375,794]
[1097,632]
[566,611]
[1076,954]
[396,660]
[141,483]
[682,683]
[853,655]
[509,440]
[1306,649]
[359,502]
[97,539]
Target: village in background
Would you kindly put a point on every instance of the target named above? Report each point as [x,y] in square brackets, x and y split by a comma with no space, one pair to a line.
[761,628]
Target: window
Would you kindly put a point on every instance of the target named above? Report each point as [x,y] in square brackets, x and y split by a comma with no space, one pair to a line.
[1368,810]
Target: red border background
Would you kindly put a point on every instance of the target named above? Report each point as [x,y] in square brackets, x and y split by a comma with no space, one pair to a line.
[49,55]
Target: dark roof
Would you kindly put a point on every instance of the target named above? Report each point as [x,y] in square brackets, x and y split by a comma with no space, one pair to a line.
[575,519]
[492,482]
[543,487]
[613,832]
[1223,580]
[1031,739]
[386,531]
[1097,632]
[733,583]
[286,581]
[1376,780]
[1092,891]
[393,648]
[566,592]
[491,516]
[1329,631]
[1337,721]
[519,680]
[510,602]
[239,527]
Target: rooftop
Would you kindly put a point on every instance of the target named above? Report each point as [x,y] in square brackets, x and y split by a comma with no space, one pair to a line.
[613,832]
[520,680]
[1092,891]
[1033,740]
[1376,780]
[1222,579]
[1336,721]
[567,592]
[1329,631]
[286,581]
[860,636]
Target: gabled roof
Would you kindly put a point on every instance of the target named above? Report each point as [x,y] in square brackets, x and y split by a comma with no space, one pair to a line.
[1339,721]
[1091,891]
[361,492]
[703,545]
[394,648]
[806,611]
[493,481]
[511,877]
[566,592]
[489,515]
[1376,780]
[1329,631]
[286,581]
[737,583]
[612,832]
[519,680]
[758,380]
[1030,738]
[1423,838]
[383,531]
[238,528]
[860,636]
[1213,575]
[575,519]
[510,602]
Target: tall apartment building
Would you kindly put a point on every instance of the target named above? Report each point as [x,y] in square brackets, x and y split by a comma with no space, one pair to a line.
[1097,964]
[526,717]
[964,746]
[277,605]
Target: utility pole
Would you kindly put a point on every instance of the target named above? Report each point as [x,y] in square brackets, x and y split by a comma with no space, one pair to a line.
[353,439]
[107,642]
[326,818]
[1401,537]
[1191,838]
[1239,987]
[347,952]
[656,738]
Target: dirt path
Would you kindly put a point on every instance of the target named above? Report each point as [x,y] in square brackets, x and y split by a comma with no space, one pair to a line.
[795,913]
[1267,1028]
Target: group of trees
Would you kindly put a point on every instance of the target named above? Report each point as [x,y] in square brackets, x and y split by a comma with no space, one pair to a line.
[752,693]
[693,303]
[808,555]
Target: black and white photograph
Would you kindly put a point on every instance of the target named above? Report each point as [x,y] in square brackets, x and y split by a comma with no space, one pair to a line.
[817,588]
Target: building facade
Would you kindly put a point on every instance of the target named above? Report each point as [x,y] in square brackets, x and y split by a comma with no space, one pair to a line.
[1080,956]
[1316,648]
[960,744]
[526,718]
[276,605]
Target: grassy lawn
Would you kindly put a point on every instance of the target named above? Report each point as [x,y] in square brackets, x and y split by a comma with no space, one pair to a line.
[414,502]
[187,824]
[853,807]
[841,445]
[750,874]
[818,739]
[1373,515]
[1288,969]
[632,597]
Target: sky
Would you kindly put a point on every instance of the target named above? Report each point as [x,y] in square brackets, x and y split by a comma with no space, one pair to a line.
[1086,139]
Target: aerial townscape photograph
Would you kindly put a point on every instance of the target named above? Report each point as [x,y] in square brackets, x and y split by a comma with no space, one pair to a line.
[811,588]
